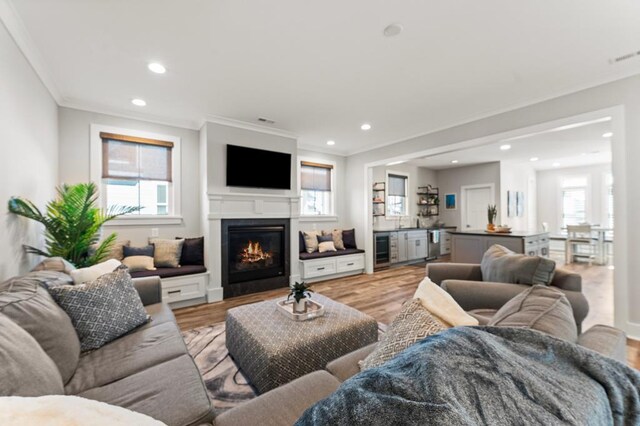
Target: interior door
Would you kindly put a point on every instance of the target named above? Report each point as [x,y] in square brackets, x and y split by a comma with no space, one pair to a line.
[475,207]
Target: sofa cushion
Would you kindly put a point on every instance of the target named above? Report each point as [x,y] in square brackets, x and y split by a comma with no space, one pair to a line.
[57,264]
[91,273]
[499,264]
[172,392]
[102,310]
[26,301]
[192,251]
[171,272]
[318,255]
[540,308]
[349,365]
[283,405]
[127,355]
[166,253]
[25,369]
[411,325]
[483,315]
[159,313]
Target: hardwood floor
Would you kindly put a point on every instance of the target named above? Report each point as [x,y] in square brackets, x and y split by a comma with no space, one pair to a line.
[382,294]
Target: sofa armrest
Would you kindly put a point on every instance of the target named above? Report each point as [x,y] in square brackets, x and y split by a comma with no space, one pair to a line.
[567,280]
[605,340]
[149,289]
[347,365]
[438,272]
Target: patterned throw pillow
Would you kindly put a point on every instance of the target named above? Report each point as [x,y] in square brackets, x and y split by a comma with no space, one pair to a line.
[103,310]
[166,253]
[411,325]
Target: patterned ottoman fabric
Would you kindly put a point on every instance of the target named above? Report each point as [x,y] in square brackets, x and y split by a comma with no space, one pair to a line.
[272,350]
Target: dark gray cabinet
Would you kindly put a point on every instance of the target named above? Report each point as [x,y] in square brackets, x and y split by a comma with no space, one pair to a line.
[469,247]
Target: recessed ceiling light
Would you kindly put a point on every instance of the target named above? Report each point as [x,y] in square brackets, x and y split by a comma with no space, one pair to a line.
[366,126]
[393,30]
[138,102]
[393,163]
[331,142]
[157,68]
[454,161]
[607,135]
[505,147]
[556,164]
[533,159]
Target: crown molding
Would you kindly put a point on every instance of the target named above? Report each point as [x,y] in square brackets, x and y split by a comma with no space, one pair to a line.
[248,126]
[321,150]
[9,16]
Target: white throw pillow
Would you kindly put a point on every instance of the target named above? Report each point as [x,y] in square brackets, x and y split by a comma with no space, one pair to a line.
[139,263]
[92,273]
[67,410]
[326,246]
[440,303]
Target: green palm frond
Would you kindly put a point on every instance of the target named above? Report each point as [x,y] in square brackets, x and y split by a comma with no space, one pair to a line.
[72,223]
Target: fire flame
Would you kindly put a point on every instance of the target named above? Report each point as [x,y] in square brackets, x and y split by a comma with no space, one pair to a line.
[254,253]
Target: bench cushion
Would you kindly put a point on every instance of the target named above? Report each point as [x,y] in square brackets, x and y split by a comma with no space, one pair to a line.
[318,255]
[171,272]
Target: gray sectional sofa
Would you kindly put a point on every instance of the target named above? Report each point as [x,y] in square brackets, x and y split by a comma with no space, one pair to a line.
[147,370]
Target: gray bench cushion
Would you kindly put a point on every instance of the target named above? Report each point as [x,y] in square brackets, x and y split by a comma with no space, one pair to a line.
[171,272]
[284,405]
[318,255]
[127,355]
[171,392]
[25,369]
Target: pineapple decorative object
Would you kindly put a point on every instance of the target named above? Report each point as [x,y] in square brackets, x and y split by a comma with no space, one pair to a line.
[492,213]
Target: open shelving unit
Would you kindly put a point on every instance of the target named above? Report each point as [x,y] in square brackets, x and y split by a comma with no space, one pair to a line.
[379,191]
[429,201]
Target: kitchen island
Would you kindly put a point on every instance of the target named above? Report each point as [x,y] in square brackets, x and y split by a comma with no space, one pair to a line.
[468,246]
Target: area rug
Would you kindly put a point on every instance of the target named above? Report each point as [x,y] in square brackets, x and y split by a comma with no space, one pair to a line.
[226,384]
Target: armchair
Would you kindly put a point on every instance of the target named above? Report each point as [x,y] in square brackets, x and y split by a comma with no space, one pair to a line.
[482,298]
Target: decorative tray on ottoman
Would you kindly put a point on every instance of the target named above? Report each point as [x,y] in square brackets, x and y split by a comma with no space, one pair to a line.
[314,310]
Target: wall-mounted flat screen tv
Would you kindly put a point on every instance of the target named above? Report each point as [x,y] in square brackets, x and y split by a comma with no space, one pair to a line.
[258,168]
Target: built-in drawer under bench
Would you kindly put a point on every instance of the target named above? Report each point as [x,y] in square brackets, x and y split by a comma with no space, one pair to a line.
[184,290]
[332,267]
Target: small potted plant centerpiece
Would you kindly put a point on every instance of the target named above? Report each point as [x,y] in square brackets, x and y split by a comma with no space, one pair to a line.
[300,292]
[492,213]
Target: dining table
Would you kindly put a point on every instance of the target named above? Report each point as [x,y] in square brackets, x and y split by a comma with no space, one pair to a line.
[601,239]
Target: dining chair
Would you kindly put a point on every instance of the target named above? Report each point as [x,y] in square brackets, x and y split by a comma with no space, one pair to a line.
[580,243]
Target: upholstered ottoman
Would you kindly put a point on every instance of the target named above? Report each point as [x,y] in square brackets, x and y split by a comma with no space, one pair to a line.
[272,350]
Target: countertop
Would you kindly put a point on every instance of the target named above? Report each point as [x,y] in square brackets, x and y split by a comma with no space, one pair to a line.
[514,234]
[436,228]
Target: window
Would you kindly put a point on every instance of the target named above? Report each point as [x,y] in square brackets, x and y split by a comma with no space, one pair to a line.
[574,200]
[316,189]
[137,172]
[397,204]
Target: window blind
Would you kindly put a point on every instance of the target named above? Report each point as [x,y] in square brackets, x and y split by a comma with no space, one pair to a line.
[397,185]
[315,177]
[132,158]
[574,203]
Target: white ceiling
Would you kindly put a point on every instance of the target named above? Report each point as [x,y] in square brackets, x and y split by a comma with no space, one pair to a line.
[320,69]
[578,146]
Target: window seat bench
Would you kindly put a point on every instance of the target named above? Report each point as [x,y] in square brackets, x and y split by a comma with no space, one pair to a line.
[333,264]
[183,286]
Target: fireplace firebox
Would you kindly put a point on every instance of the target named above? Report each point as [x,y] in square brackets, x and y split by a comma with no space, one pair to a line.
[255,255]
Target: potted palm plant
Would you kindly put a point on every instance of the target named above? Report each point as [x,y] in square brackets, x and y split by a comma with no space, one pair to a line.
[492,213]
[300,292]
[72,224]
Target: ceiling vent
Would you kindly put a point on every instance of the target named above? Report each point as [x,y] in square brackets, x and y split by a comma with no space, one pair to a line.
[266,120]
[624,57]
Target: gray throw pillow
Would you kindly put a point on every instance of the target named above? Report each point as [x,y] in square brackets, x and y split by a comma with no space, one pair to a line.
[102,310]
[499,264]
[137,251]
[411,325]
[25,369]
[541,308]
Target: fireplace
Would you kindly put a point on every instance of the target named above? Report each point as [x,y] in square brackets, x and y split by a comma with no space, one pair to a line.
[255,255]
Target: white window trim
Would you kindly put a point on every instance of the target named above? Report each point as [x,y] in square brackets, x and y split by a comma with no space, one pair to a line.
[332,217]
[386,196]
[95,170]
[587,200]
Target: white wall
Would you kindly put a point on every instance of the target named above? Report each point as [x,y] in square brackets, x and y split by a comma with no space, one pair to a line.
[549,194]
[29,160]
[518,177]
[450,181]
[74,126]
[418,176]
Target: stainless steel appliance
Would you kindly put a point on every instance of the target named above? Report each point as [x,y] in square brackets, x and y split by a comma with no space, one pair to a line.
[434,243]
[382,249]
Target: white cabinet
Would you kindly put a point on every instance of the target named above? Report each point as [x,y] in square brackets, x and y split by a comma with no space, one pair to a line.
[331,267]
[445,242]
[403,254]
[417,248]
[177,291]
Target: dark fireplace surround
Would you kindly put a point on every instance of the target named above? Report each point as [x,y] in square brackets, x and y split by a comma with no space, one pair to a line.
[255,255]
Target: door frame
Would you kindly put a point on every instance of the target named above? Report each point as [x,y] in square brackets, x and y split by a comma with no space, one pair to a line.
[463,200]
